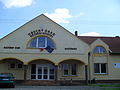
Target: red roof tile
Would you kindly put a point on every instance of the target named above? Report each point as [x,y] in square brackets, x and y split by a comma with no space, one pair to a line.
[112,42]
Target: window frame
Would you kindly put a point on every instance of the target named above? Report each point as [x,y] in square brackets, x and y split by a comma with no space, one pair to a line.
[45,44]
[16,66]
[19,64]
[99,51]
[75,69]
[10,64]
[100,68]
[47,41]
[69,69]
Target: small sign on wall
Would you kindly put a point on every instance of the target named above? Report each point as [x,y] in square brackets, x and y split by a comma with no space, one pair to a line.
[116,65]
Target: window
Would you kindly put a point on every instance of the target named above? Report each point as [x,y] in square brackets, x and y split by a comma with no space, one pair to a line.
[100,68]
[20,66]
[99,49]
[51,72]
[74,72]
[66,68]
[12,65]
[15,65]
[41,42]
[33,71]
[70,69]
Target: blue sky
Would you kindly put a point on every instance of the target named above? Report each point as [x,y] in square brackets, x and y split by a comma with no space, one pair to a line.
[88,17]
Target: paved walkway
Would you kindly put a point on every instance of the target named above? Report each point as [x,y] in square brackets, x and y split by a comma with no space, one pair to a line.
[52,88]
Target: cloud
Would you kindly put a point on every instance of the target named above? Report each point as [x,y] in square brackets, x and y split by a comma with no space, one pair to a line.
[80,14]
[16,3]
[60,15]
[90,34]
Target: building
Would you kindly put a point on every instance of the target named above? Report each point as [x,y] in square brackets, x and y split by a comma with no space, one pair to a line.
[41,52]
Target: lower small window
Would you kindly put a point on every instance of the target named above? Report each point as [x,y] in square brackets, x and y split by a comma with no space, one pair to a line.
[20,66]
[15,65]
[12,65]
[100,68]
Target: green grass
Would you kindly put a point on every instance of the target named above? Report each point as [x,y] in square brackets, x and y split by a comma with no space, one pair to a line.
[110,89]
[107,85]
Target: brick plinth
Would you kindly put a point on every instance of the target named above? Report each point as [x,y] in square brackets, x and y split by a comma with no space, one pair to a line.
[40,83]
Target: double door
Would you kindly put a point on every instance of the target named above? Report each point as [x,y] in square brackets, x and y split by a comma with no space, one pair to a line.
[42,72]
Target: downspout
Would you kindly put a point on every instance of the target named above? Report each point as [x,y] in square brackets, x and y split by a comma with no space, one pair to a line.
[89,67]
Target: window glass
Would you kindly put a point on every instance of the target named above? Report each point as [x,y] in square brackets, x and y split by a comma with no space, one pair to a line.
[99,49]
[39,76]
[51,69]
[42,42]
[100,68]
[50,43]
[45,70]
[103,68]
[66,67]
[33,69]
[96,50]
[20,66]
[33,43]
[39,70]
[96,68]
[33,76]
[12,65]
[74,72]
[51,76]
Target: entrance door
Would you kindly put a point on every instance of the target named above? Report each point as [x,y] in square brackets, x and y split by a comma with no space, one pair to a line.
[42,72]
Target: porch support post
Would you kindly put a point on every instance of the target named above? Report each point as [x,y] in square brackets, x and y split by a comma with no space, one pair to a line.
[86,74]
[56,69]
[25,72]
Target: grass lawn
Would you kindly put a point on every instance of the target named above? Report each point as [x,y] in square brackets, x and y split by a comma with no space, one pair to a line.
[110,89]
[107,85]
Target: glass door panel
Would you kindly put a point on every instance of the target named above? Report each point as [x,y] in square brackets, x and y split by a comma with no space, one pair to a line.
[45,73]
[39,70]
[39,73]
[45,70]
[51,72]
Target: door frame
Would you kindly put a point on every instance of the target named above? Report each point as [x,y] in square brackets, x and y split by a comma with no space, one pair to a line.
[42,65]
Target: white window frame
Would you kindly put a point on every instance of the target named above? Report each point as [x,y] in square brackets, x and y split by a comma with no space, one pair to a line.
[100,68]
[45,43]
[42,74]
[99,50]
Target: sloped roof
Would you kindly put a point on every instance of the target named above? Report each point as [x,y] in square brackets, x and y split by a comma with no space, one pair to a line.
[112,42]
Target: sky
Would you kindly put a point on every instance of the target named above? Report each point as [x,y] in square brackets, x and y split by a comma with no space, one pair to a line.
[88,17]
